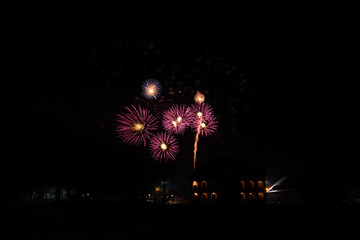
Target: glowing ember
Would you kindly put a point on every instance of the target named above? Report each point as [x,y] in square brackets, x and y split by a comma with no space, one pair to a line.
[199,97]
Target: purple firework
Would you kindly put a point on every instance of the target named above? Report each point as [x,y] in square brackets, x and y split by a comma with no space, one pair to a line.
[136,125]
[208,126]
[164,147]
[176,119]
[202,114]
[203,110]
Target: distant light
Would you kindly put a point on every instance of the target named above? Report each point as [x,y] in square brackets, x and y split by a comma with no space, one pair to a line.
[199,114]
[174,123]
[178,119]
[203,125]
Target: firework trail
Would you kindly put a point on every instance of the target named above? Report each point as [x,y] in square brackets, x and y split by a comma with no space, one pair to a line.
[164,147]
[176,119]
[151,88]
[203,120]
[196,140]
[136,125]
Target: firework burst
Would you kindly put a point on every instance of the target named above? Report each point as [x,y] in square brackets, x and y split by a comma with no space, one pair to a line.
[151,88]
[208,126]
[136,125]
[204,112]
[164,147]
[176,119]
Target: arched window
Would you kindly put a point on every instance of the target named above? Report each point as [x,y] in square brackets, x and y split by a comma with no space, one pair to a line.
[251,196]
[242,185]
[243,196]
[251,185]
[260,184]
[196,195]
[261,195]
[204,197]
[213,197]
[195,185]
[203,185]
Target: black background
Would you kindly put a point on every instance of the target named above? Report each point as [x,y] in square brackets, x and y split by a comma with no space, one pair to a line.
[299,66]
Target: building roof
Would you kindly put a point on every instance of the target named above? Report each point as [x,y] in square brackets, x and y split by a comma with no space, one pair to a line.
[225,167]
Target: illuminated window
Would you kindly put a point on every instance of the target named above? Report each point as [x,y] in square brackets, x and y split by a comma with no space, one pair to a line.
[260,184]
[213,197]
[203,185]
[242,185]
[251,184]
[251,196]
[195,185]
[261,195]
[243,196]
[204,197]
[196,195]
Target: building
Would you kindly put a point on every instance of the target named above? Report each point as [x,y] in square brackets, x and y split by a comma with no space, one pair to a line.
[229,180]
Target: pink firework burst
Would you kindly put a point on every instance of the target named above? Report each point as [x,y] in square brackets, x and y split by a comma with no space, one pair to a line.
[136,125]
[164,147]
[176,119]
[203,111]
[203,119]
[208,126]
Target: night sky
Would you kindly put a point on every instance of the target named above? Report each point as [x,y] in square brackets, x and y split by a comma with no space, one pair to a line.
[279,89]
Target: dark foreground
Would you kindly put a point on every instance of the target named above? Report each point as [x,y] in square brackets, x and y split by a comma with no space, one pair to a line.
[94,221]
